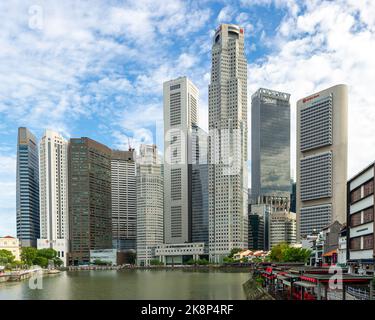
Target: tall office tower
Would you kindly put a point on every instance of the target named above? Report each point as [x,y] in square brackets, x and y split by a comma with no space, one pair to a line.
[322,144]
[54,211]
[89,198]
[150,215]
[228,143]
[27,189]
[199,187]
[270,143]
[180,115]
[282,228]
[124,200]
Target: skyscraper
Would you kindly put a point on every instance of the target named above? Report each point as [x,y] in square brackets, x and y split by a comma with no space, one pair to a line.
[228,143]
[270,143]
[199,186]
[27,188]
[150,215]
[124,199]
[89,198]
[322,144]
[54,211]
[182,182]
[282,228]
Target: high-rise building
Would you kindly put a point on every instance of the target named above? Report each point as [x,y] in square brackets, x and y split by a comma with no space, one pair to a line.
[256,232]
[89,198]
[282,228]
[293,198]
[361,222]
[259,226]
[150,215]
[322,144]
[185,165]
[54,210]
[27,189]
[228,143]
[124,199]
[270,143]
[199,187]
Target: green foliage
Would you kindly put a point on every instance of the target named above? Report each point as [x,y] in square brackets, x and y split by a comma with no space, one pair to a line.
[99,262]
[234,251]
[41,261]
[31,256]
[131,257]
[227,260]
[28,255]
[58,262]
[156,262]
[285,253]
[6,257]
[49,254]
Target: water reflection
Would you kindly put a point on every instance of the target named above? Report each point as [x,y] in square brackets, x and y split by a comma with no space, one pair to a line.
[132,284]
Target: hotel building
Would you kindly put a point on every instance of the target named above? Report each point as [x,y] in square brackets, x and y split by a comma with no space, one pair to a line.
[322,143]
[54,210]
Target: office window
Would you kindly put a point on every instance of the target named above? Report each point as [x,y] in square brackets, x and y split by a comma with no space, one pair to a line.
[355,195]
[368,215]
[355,219]
[368,188]
[368,242]
[355,244]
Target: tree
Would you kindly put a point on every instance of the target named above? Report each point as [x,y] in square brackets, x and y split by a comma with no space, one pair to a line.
[49,254]
[285,253]
[6,257]
[41,261]
[28,255]
[234,251]
[58,262]
[156,262]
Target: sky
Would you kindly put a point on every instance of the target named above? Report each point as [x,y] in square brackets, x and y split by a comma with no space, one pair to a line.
[96,68]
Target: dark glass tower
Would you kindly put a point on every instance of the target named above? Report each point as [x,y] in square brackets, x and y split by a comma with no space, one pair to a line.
[89,198]
[27,188]
[199,186]
[270,143]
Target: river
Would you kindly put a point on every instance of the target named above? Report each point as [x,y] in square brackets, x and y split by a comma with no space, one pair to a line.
[132,284]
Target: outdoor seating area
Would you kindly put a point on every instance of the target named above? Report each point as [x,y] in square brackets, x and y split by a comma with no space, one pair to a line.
[309,283]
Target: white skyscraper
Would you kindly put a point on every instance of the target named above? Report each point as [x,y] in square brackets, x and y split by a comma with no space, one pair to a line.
[124,199]
[180,115]
[228,143]
[53,177]
[150,226]
[322,150]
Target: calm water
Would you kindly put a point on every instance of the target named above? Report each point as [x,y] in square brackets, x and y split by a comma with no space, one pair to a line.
[132,284]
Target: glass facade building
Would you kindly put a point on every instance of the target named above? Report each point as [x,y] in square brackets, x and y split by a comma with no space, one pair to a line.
[199,184]
[28,223]
[89,198]
[270,143]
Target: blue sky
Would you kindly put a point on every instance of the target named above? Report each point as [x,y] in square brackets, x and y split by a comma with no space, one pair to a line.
[96,68]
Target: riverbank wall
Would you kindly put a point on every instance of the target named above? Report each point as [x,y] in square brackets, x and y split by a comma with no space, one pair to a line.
[254,292]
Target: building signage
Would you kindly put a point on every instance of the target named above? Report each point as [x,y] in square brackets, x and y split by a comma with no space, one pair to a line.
[310,98]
